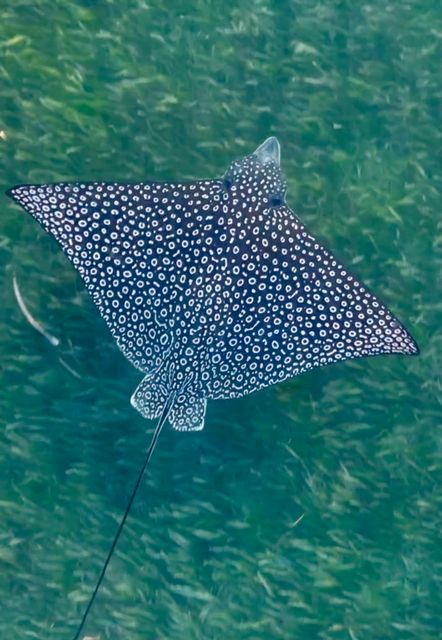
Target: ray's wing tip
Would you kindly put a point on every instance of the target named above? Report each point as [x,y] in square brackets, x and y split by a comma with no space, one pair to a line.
[11,192]
[16,191]
[414,348]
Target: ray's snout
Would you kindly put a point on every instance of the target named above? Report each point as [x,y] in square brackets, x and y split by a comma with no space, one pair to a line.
[269,151]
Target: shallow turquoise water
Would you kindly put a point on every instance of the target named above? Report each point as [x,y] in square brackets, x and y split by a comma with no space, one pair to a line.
[311,509]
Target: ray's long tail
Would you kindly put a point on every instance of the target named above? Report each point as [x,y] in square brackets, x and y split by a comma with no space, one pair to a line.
[158,428]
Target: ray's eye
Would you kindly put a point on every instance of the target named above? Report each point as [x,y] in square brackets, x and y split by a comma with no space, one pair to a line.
[227,183]
[276,200]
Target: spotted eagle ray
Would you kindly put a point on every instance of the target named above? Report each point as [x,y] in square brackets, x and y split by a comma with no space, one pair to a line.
[212,288]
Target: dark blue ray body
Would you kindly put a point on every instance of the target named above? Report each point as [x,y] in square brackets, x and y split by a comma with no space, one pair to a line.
[213,288]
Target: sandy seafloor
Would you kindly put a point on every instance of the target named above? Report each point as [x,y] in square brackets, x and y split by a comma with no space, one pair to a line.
[214,549]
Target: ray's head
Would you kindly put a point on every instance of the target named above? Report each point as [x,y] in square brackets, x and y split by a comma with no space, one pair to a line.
[258,176]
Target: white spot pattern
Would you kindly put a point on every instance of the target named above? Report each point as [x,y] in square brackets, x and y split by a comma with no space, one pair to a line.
[212,288]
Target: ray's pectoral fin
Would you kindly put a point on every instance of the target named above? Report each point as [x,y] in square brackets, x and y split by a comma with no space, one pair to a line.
[187,413]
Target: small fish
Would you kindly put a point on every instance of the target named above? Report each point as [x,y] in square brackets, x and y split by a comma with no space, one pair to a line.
[27,314]
[212,288]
